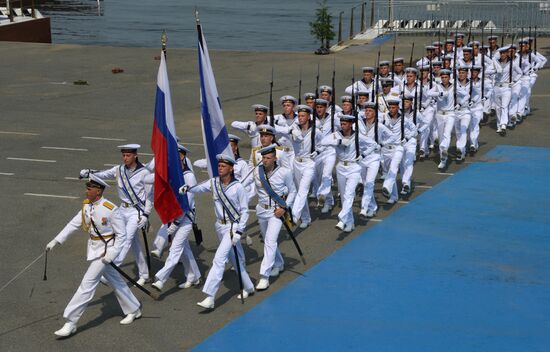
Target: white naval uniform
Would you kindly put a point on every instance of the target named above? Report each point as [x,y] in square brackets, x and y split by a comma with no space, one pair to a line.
[282,123]
[370,166]
[107,219]
[256,158]
[476,111]
[280,179]
[325,161]
[140,197]
[488,74]
[394,93]
[517,92]
[503,89]
[462,115]
[236,194]
[393,150]
[409,148]
[360,86]
[348,170]
[445,115]
[426,123]
[529,64]
[251,129]
[180,250]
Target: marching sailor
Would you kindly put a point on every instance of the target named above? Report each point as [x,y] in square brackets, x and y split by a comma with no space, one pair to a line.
[365,84]
[276,194]
[179,231]
[267,138]
[133,186]
[102,220]
[476,109]
[231,208]
[409,147]
[250,127]
[371,163]
[282,123]
[462,112]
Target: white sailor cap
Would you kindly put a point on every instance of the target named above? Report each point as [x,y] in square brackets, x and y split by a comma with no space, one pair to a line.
[449,41]
[309,96]
[503,49]
[325,88]
[384,63]
[523,41]
[96,182]
[260,107]
[320,101]
[129,148]
[233,138]
[369,105]
[492,37]
[467,48]
[304,108]
[226,159]
[411,69]
[436,44]
[430,47]
[437,63]
[289,98]
[459,35]
[266,129]
[398,59]
[393,101]
[445,72]
[182,149]
[408,97]
[425,67]
[347,118]
[463,67]
[386,81]
[346,98]
[363,93]
[269,149]
[529,39]
[367,69]
[476,67]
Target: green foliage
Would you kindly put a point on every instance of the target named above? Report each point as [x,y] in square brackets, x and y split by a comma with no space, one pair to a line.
[322,28]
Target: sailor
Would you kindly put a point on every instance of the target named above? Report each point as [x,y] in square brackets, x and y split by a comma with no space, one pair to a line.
[133,186]
[438,49]
[443,93]
[476,52]
[362,98]
[530,64]
[242,166]
[282,123]
[267,137]
[276,194]
[392,147]
[493,47]
[449,48]
[410,85]
[476,108]
[304,142]
[309,99]
[371,163]
[178,231]
[347,105]
[409,147]
[250,127]
[426,106]
[325,92]
[517,87]
[437,66]
[540,64]
[365,84]
[488,76]
[326,159]
[383,71]
[398,74]
[103,223]
[467,57]
[426,60]
[462,112]
[231,209]
[349,149]
[503,86]
[389,91]
[459,45]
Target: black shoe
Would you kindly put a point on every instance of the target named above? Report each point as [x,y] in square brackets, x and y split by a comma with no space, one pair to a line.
[421,154]
[385,192]
[406,189]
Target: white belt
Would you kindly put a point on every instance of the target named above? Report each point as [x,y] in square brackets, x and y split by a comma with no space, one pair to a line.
[347,162]
[503,85]
[302,159]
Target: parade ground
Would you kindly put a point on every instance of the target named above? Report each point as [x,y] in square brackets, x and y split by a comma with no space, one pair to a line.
[460,265]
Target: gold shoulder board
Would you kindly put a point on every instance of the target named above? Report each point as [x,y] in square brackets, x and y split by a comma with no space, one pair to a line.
[108,205]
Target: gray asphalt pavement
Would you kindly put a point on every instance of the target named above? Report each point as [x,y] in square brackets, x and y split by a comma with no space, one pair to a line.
[41,111]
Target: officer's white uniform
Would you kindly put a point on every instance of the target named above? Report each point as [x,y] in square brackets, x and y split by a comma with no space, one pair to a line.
[136,202]
[180,247]
[224,228]
[108,221]
[282,183]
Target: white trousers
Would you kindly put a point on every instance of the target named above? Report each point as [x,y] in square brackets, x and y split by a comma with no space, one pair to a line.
[371,165]
[517,92]
[270,227]
[325,165]
[428,116]
[304,172]
[445,123]
[85,292]
[489,95]
[130,217]
[348,178]
[407,162]
[223,254]
[180,248]
[473,129]
[462,122]
[391,157]
[525,94]
[503,95]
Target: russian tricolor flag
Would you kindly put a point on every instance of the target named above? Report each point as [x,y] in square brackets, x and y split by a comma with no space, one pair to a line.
[169,204]
[214,132]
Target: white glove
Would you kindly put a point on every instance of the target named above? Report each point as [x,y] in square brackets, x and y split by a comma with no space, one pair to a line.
[359,158]
[109,257]
[171,230]
[441,94]
[50,245]
[184,189]
[251,127]
[484,99]
[84,173]
[235,238]
[314,154]
[296,133]
[143,221]
[345,141]
[470,104]
[458,106]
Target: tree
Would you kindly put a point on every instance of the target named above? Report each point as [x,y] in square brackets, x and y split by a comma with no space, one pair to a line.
[322,28]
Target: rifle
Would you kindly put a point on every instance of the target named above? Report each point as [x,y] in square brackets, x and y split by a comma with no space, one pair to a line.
[529,42]
[521,51]
[439,45]
[455,78]
[239,275]
[535,40]
[333,96]
[300,88]
[411,58]
[490,50]
[376,99]
[293,237]
[482,68]
[393,56]
[314,127]
[403,113]
[144,234]
[421,88]
[271,112]
[354,112]
[416,100]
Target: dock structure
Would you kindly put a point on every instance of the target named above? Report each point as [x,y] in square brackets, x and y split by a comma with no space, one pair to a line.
[432,17]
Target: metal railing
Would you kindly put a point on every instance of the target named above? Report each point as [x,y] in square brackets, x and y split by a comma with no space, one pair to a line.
[423,17]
